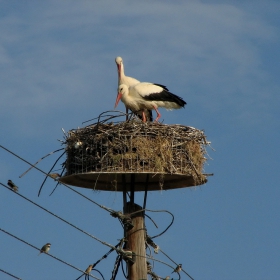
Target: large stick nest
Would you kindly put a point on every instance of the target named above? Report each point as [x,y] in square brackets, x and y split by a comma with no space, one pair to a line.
[137,147]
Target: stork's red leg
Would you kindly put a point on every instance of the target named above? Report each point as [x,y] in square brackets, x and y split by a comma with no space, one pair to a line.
[158,114]
[144,116]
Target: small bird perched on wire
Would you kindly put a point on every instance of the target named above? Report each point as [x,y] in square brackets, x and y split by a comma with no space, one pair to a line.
[178,268]
[45,248]
[12,186]
[149,267]
[54,175]
[89,269]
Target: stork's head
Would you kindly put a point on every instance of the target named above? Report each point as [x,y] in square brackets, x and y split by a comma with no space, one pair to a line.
[123,89]
[118,60]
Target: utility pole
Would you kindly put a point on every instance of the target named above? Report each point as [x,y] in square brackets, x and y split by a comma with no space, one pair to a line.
[136,243]
[134,157]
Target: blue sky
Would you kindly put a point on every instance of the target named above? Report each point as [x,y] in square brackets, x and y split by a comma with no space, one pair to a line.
[57,70]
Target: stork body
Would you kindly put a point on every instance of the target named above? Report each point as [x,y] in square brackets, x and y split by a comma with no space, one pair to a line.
[147,96]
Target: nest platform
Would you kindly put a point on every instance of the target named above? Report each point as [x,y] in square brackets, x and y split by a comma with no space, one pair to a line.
[111,156]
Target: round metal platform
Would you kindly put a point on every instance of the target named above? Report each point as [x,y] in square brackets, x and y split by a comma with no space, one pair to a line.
[109,181]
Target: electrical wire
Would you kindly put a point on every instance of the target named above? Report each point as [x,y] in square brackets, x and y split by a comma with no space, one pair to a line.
[58,181]
[105,256]
[10,274]
[156,211]
[39,161]
[101,206]
[90,235]
[151,220]
[99,273]
[116,267]
[25,242]
[50,172]
[49,212]
[156,260]
[87,275]
[176,264]
[125,276]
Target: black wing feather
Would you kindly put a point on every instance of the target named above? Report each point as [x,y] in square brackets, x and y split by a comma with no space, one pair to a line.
[165,96]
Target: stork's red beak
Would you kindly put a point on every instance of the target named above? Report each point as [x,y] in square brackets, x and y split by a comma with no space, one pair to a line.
[118,99]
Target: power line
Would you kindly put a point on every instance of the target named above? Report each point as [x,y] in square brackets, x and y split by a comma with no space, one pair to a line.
[10,274]
[40,160]
[72,265]
[49,212]
[102,258]
[101,206]
[143,210]
[104,243]
[50,172]
[153,259]
[90,235]
[176,264]
[25,242]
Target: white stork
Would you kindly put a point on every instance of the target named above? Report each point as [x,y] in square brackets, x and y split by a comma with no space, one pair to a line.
[148,96]
[129,81]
